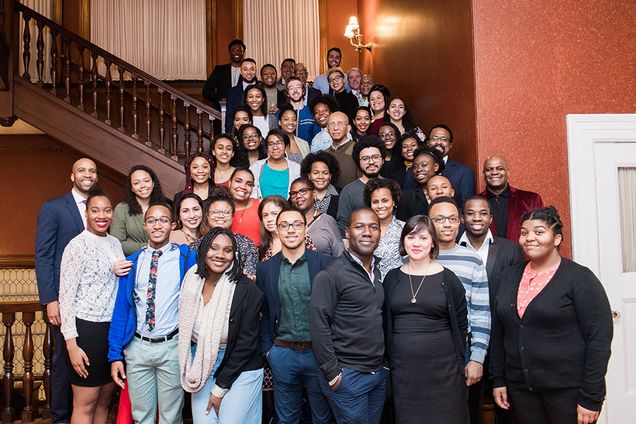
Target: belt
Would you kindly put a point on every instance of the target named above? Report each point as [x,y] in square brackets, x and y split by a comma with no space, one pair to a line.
[298,346]
[158,339]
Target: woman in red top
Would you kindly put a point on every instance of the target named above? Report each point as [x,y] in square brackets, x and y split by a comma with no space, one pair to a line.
[246,220]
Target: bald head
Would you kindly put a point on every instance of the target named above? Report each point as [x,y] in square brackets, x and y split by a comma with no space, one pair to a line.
[496,174]
[338,127]
[84,175]
[439,186]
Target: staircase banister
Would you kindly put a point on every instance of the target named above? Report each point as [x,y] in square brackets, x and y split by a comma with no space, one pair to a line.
[20,306]
[19,7]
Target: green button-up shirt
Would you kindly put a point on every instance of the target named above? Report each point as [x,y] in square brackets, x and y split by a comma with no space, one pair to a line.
[294,292]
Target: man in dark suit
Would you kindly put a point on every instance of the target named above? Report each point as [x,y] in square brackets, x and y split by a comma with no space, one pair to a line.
[508,204]
[60,220]
[235,95]
[497,254]
[461,176]
[286,281]
[224,77]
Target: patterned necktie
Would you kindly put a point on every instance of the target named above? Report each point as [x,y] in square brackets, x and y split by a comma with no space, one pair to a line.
[152,287]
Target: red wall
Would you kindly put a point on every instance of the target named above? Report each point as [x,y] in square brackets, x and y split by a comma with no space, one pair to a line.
[536,62]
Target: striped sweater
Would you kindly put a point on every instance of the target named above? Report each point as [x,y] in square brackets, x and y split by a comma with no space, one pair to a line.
[468,267]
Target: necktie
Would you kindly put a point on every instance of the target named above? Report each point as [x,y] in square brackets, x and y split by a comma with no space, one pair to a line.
[152,287]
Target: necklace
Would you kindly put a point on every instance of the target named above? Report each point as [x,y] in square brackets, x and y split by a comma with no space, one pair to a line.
[414,294]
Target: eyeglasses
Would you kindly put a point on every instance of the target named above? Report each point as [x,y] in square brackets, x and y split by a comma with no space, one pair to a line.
[164,220]
[296,225]
[337,124]
[440,138]
[440,219]
[220,212]
[372,158]
[336,78]
[390,134]
[302,192]
[275,144]
[250,136]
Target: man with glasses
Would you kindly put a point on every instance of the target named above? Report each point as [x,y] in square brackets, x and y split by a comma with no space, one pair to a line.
[461,176]
[145,323]
[341,147]
[295,96]
[468,267]
[368,155]
[286,281]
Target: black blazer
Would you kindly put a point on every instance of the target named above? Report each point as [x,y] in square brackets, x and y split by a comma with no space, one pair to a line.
[267,274]
[413,202]
[59,222]
[234,100]
[332,209]
[219,83]
[461,177]
[563,340]
[241,353]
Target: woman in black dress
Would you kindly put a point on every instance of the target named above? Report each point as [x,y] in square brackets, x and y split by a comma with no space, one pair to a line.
[426,324]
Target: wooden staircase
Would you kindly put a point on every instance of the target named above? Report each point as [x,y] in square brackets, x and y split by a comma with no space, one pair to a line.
[95,102]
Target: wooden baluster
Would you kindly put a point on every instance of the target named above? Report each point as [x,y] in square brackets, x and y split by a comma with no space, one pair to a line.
[109,80]
[54,62]
[186,129]
[27,377]
[8,351]
[199,131]
[67,70]
[211,123]
[26,49]
[134,107]
[173,146]
[162,125]
[94,75]
[81,77]
[39,45]
[48,363]
[148,139]
[121,98]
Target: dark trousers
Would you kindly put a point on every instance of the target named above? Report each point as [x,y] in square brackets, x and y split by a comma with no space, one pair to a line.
[61,394]
[293,371]
[543,406]
[360,397]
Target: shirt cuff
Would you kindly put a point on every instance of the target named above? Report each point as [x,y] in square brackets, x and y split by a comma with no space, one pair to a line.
[71,333]
[218,392]
[478,355]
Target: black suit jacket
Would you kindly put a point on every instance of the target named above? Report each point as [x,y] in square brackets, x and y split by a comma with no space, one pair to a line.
[267,274]
[502,254]
[59,221]
[461,177]
[219,83]
[241,353]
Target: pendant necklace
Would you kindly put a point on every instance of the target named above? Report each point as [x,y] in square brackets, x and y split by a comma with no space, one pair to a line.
[414,293]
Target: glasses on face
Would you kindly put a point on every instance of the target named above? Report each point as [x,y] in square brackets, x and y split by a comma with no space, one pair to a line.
[220,212]
[440,219]
[372,158]
[275,144]
[338,124]
[250,136]
[439,138]
[164,220]
[302,192]
[418,166]
[389,134]
[334,79]
[296,225]
[369,83]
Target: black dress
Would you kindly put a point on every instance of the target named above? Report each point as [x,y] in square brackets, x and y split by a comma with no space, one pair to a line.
[427,373]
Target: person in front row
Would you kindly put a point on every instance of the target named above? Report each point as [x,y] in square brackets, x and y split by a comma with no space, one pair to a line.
[145,323]
[286,280]
[219,359]
[346,325]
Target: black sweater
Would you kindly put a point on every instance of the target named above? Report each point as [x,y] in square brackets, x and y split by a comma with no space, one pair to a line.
[346,318]
[562,341]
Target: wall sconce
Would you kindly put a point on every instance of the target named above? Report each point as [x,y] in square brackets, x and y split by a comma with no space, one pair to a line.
[352,32]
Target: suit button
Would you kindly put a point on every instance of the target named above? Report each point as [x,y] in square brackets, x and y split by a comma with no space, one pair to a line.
[525,370]
[523,348]
[521,326]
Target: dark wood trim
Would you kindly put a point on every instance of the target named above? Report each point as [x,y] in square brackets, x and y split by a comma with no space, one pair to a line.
[238,18]
[17,261]
[85,19]
[58,11]
[27,306]
[322,16]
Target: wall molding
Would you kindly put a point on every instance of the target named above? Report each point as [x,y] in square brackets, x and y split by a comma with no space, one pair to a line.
[17,261]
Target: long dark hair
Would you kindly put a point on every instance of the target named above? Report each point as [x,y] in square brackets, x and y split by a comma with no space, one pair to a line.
[189,182]
[202,269]
[249,115]
[156,196]
[260,88]
[240,159]
[266,237]
[177,210]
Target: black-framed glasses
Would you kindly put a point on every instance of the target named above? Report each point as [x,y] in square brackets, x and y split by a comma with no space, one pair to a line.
[372,158]
[295,193]
[296,225]
[164,220]
[440,219]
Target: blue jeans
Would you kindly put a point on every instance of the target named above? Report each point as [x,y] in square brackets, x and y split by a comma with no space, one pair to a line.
[242,404]
[360,397]
[292,370]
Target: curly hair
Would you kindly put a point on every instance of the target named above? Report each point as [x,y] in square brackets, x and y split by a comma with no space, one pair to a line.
[219,194]
[378,183]
[324,157]
[156,196]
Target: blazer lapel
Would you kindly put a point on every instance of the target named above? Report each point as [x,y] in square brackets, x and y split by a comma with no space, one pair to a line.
[74,212]
[273,274]
[493,255]
[239,294]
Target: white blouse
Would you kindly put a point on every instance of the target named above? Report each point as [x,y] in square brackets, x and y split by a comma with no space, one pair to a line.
[88,284]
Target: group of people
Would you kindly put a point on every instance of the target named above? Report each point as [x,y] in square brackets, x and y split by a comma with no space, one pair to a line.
[343,262]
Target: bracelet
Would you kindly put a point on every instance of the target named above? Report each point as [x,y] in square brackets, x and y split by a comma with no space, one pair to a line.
[335,379]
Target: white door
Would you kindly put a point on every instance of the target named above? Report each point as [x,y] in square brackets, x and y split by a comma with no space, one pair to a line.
[602,150]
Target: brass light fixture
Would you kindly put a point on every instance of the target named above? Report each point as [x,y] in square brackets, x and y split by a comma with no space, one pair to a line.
[352,32]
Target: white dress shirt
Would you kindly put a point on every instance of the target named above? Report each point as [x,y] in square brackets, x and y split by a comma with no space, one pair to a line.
[80,202]
[483,249]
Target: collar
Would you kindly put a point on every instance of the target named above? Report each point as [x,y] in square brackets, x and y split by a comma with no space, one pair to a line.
[465,241]
[346,143]
[505,193]
[299,261]
[357,260]
[169,247]
[445,159]
[77,197]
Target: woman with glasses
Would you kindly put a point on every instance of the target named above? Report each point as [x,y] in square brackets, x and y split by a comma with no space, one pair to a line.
[298,148]
[321,169]
[393,166]
[250,147]
[382,195]
[274,174]
[219,212]
[347,101]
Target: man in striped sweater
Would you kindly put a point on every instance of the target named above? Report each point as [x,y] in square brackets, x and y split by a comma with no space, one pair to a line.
[468,267]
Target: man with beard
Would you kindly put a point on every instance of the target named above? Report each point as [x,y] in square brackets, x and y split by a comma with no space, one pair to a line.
[59,221]
[368,155]
[235,95]
[346,325]
[334,56]
[287,70]
[226,76]
[295,93]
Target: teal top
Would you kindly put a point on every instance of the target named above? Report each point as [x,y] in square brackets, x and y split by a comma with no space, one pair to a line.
[294,292]
[273,181]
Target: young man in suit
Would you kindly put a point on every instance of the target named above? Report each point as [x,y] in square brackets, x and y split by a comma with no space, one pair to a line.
[286,281]
[235,95]
[145,323]
[461,176]
[497,254]
[60,220]
[226,76]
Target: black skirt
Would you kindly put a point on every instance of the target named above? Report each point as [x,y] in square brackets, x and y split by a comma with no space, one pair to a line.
[93,340]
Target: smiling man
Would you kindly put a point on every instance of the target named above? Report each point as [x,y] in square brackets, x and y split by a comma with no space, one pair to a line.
[226,76]
[235,94]
[341,148]
[334,57]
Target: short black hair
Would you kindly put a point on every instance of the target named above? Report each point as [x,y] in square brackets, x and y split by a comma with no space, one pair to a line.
[96,191]
[364,209]
[288,59]
[248,59]
[365,142]
[268,65]
[324,157]
[290,208]
[304,180]
[202,269]
[325,99]
[443,199]
[161,203]
[334,49]
[416,224]
[376,184]
[444,127]
[236,42]
[476,197]
[279,133]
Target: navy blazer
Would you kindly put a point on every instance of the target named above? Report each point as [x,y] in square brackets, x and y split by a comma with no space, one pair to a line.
[59,222]
[267,274]
[462,178]
[219,83]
